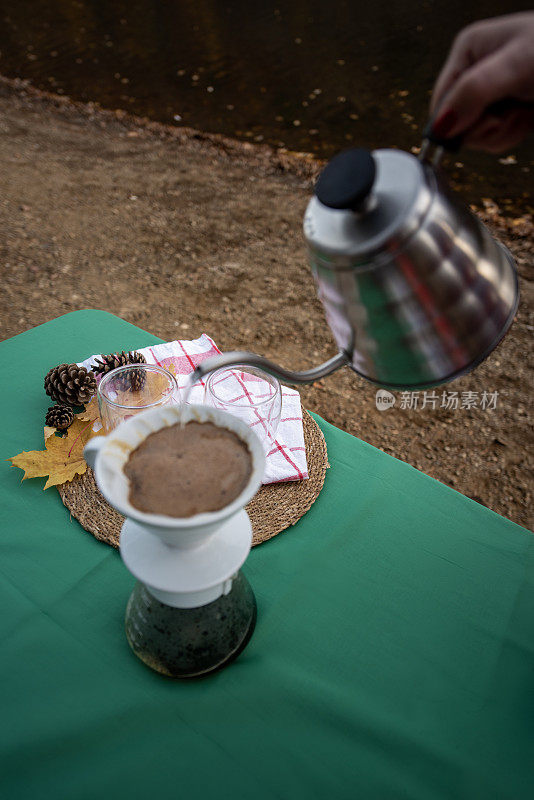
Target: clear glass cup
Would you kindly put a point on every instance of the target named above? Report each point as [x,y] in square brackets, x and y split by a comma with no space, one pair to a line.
[127,390]
[250,394]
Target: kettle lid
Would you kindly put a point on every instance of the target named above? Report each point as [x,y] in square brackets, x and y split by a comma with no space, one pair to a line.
[364,199]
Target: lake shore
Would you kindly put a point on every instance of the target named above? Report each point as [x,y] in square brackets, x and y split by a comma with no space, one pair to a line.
[181,233]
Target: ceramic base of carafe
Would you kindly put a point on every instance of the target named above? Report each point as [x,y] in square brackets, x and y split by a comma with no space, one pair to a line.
[190,642]
[192,610]
[187,578]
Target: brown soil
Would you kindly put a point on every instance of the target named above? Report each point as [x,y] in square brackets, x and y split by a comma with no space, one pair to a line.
[183,233]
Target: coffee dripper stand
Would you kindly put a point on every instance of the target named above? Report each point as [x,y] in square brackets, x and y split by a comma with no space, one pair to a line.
[192,611]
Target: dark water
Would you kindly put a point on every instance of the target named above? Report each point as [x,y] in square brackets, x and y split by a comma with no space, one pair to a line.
[315,76]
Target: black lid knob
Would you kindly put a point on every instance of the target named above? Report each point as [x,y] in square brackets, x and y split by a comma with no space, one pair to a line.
[346,180]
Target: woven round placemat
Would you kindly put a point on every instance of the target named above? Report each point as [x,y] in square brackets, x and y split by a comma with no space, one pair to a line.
[273,509]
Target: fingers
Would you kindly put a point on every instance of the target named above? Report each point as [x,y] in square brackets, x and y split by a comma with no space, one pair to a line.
[457,61]
[498,134]
[480,85]
[475,42]
[489,61]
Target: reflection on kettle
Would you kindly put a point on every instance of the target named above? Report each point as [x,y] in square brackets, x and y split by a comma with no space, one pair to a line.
[415,289]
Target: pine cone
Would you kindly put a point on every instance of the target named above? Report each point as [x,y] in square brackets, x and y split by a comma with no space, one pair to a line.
[70,384]
[132,379]
[107,363]
[59,417]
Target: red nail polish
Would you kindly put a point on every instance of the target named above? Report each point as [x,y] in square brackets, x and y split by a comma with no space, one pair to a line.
[445,123]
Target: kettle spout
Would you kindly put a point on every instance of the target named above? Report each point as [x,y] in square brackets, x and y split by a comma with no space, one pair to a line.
[244,358]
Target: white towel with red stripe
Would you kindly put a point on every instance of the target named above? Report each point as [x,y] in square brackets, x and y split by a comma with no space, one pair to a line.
[286,460]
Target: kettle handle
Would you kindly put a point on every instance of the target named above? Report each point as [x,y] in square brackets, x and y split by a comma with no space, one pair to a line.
[452,145]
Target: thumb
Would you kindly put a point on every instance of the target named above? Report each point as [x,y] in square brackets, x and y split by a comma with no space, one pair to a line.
[487,81]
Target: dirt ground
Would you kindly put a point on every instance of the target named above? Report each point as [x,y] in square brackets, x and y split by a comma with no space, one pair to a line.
[183,233]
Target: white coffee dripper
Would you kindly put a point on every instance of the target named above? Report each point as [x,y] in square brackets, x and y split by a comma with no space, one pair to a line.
[193,611]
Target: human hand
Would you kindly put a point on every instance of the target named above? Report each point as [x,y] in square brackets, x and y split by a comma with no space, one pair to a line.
[490,61]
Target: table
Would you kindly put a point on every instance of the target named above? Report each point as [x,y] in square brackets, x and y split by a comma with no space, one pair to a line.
[393,655]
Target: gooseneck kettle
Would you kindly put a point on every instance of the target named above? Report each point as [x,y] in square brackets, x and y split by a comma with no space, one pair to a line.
[415,289]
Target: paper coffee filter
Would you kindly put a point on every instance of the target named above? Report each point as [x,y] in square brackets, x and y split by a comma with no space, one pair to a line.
[274,508]
[113,451]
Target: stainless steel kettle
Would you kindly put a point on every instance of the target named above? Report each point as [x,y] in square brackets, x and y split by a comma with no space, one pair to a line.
[415,289]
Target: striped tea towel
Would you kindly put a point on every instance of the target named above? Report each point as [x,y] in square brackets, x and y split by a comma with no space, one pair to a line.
[286,460]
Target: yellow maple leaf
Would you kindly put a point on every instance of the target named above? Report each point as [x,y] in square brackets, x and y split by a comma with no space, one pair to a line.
[62,459]
[90,413]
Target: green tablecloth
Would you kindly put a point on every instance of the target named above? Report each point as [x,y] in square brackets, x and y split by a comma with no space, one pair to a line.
[393,655]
